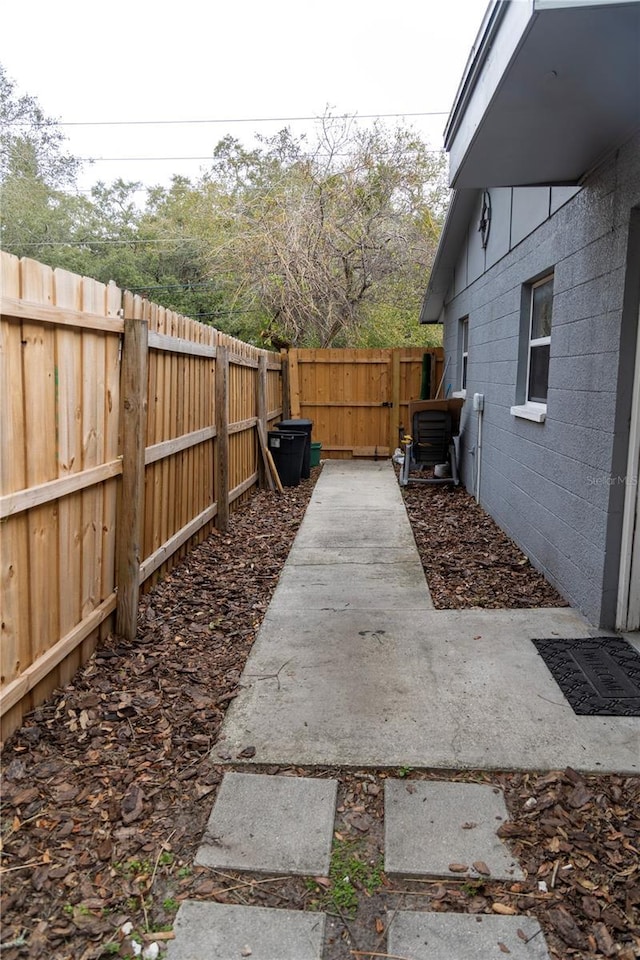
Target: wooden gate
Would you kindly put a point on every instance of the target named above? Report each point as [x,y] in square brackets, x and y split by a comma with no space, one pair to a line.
[358,399]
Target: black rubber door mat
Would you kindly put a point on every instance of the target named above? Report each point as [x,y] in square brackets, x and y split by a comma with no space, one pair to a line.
[600,676]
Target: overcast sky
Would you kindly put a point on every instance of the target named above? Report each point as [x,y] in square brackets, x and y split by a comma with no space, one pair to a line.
[132,60]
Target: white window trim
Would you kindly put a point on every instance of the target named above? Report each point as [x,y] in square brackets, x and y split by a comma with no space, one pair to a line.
[533,410]
[530,411]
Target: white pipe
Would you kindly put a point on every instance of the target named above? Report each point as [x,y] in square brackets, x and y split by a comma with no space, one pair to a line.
[444,373]
[479,456]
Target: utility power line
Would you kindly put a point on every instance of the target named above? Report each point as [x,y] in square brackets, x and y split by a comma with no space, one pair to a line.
[176,286]
[143,123]
[126,243]
[208,157]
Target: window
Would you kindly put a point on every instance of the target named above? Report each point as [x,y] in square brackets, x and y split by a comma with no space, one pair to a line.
[463,357]
[535,345]
[539,340]
[464,339]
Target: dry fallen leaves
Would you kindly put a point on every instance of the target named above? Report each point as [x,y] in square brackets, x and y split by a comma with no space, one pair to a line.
[467,558]
[130,737]
[504,909]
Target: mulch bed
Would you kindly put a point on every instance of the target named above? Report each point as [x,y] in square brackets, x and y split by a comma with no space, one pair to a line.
[469,560]
[107,787]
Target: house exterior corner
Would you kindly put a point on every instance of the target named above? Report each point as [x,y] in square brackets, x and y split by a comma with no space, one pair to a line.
[537,284]
[556,485]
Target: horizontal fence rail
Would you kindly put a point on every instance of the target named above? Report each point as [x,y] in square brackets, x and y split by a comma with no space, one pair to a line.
[127,432]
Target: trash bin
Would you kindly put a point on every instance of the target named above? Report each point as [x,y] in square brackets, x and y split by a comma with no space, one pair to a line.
[315,454]
[305,427]
[287,450]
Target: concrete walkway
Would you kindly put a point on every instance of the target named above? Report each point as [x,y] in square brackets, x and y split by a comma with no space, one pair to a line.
[353,666]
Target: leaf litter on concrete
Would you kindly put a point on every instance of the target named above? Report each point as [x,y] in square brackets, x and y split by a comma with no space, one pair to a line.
[108,786]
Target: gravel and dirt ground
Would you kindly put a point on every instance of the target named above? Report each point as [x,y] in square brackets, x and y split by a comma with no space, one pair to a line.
[108,786]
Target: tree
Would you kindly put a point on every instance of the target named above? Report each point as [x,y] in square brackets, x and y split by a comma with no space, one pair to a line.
[35,175]
[193,273]
[320,237]
[323,243]
[31,144]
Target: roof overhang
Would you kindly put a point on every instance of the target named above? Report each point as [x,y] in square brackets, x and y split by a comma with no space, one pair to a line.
[550,88]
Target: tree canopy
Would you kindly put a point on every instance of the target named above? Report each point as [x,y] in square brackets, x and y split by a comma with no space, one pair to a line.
[326,242]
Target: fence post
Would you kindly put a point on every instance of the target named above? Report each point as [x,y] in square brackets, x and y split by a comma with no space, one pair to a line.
[262,413]
[394,412]
[294,384]
[284,384]
[222,437]
[134,428]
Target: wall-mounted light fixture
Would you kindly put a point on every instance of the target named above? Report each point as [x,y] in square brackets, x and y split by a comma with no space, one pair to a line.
[484,226]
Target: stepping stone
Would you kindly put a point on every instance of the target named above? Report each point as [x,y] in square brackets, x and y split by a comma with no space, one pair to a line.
[271,825]
[218,931]
[431,825]
[463,936]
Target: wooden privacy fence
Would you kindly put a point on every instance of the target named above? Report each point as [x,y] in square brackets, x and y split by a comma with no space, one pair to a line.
[358,399]
[126,430]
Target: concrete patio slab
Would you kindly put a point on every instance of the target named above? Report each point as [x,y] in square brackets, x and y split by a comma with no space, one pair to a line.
[448,689]
[365,679]
[429,825]
[270,824]
[217,931]
[458,936]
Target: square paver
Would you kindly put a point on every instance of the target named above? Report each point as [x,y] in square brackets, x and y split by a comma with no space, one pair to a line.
[271,825]
[462,936]
[218,931]
[431,825]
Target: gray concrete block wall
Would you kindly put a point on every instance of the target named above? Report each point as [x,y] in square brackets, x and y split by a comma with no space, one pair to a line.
[549,485]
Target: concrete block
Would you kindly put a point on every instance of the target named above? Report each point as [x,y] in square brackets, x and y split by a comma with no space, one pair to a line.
[271,824]
[362,553]
[218,931]
[355,531]
[430,825]
[331,587]
[459,936]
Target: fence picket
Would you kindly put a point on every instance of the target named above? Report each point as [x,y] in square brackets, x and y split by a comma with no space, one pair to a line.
[38,362]
[68,293]
[222,437]
[153,472]
[13,476]
[161,360]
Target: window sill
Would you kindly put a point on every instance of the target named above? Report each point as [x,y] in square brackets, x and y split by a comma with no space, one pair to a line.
[459,395]
[537,412]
